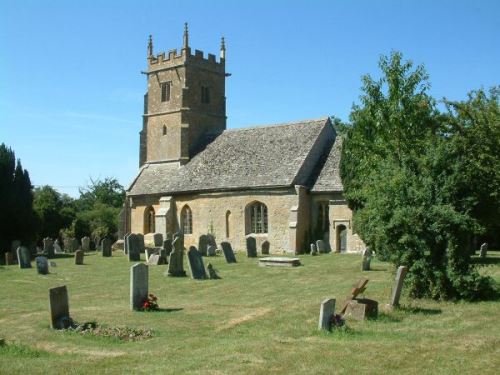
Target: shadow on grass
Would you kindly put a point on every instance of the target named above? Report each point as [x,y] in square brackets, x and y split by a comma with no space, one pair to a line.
[377,269]
[387,318]
[420,310]
[173,309]
[485,261]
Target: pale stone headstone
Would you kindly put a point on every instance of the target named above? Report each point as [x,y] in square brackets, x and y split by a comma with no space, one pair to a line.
[149,251]
[149,240]
[140,242]
[59,308]
[227,250]
[176,261]
[106,247]
[251,247]
[57,248]
[212,274]
[483,250]
[361,309]
[139,280]
[366,260]
[79,254]
[42,265]
[196,264]
[24,257]
[326,311]
[167,246]
[398,285]
[9,259]
[203,244]
[321,246]
[211,250]
[314,251]
[154,260]
[133,245]
[265,247]
[48,247]
[86,243]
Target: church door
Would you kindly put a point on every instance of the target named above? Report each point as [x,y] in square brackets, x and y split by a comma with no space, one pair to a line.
[341,239]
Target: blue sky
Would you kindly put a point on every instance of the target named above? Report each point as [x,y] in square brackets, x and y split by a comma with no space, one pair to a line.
[71,89]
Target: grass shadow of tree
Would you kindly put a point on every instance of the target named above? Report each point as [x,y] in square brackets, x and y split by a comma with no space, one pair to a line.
[420,310]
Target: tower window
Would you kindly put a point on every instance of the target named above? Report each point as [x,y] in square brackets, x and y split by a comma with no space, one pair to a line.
[165,91]
[205,94]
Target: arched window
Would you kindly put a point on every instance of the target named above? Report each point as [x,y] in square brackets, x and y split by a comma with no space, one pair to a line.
[323,219]
[258,217]
[186,220]
[149,220]
[164,130]
[228,217]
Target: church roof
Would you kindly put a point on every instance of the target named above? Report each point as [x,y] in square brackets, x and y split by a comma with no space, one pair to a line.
[260,157]
[329,176]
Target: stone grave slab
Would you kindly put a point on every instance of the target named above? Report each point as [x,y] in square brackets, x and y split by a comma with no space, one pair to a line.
[279,262]
[361,309]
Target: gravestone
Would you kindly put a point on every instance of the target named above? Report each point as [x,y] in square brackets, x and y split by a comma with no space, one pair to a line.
[366,260]
[57,247]
[133,245]
[48,247]
[153,240]
[125,243]
[196,265]
[314,251]
[42,265]
[211,250]
[9,259]
[265,247]
[79,254]
[139,280]
[106,247]
[228,252]
[279,262]
[14,245]
[154,260]
[483,250]
[321,246]
[86,243]
[359,288]
[212,273]
[326,311]
[23,257]
[59,308]
[71,245]
[140,242]
[163,256]
[362,308]
[176,261]
[149,252]
[398,285]
[158,239]
[203,244]
[167,246]
[251,247]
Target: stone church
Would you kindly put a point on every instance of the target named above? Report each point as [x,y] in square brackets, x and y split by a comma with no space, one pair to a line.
[277,183]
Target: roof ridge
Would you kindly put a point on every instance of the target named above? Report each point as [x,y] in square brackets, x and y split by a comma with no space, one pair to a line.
[325,118]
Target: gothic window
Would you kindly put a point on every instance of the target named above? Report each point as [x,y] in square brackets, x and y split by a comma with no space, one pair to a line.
[205,94]
[149,220]
[323,222]
[165,91]
[164,130]
[186,220]
[258,217]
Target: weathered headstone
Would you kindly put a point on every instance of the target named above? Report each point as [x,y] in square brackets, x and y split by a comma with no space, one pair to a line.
[59,308]
[86,243]
[203,244]
[326,311]
[196,264]
[366,260]
[265,247]
[140,242]
[57,247]
[314,251]
[150,251]
[398,285]
[23,257]
[176,261]
[359,288]
[251,247]
[79,254]
[9,259]
[139,285]
[211,250]
[125,243]
[362,308]
[42,265]
[483,250]
[227,250]
[154,260]
[167,246]
[153,240]
[279,262]
[321,246]
[106,247]
[163,256]
[133,245]
[14,245]
[212,273]
[48,247]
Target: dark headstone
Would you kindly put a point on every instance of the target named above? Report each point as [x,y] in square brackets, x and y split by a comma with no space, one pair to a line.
[106,247]
[176,261]
[265,248]
[321,246]
[133,242]
[196,264]
[59,308]
[163,256]
[42,265]
[211,250]
[79,254]
[251,247]
[86,243]
[366,260]
[203,244]
[24,257]
[140,242]
[212,273]
[48,247]
[139,285]
[227,250]
[167,246]
[483,250]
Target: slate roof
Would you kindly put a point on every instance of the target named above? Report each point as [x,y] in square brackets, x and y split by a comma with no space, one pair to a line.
[258,157]
[329,176]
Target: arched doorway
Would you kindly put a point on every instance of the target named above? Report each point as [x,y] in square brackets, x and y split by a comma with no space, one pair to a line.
[341,240]
[149,220]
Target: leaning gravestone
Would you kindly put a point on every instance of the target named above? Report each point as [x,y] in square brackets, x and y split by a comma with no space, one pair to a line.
[196,264]
[59,308]
[203,244]
[483,250]
[398,285]
[57,248]
[366,260]
[139,280]
[48,247]
[106,247]
[79,254]
[321,246]
[134,245]
[176,261]
[265,247]
[251,247]
[86,243]
[211,250]
[228,252]
[42,265]
[24,257]
[314,251]
[9,259]
[326,311]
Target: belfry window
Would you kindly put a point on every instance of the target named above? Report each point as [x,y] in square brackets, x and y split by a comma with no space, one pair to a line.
[205,94]
[165,91]
[258,217]
[186,220]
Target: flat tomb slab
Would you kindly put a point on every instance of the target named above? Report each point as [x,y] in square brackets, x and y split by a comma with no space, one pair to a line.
[279,262]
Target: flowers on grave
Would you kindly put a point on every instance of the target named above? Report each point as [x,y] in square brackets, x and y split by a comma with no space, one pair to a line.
[150,303]
[337,321]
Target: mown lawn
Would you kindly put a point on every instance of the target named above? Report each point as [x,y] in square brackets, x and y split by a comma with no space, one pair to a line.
[254,321]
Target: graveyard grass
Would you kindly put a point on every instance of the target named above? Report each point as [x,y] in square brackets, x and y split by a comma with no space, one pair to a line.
[255,320]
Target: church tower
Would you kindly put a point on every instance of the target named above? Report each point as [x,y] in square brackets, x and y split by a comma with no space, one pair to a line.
[185,105]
